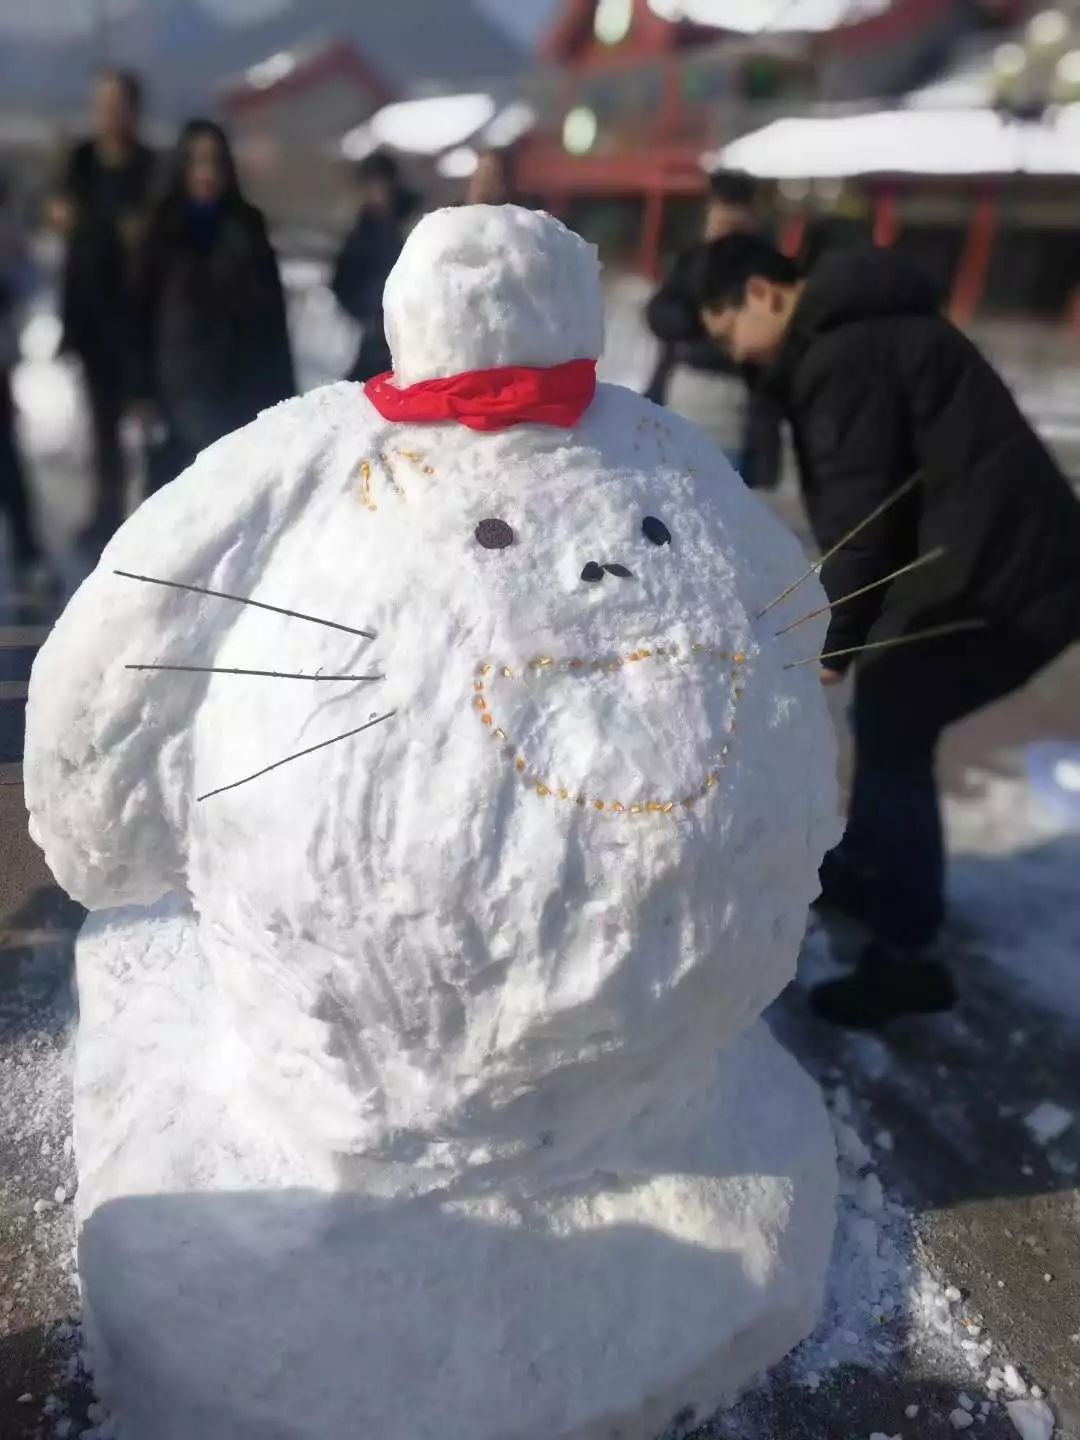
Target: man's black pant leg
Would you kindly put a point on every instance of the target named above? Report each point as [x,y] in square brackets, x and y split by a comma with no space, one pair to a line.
[893,848]
[14,500]
[106,393]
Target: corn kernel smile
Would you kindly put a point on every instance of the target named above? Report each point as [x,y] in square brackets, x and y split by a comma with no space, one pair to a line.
[492,698]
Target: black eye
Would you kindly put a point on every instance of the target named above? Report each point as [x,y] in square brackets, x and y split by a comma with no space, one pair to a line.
[494,534]
[592,572]
[655,530]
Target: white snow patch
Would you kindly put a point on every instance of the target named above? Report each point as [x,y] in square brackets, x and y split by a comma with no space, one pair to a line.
[1002,818]
[1014,1381]
[1048,1122]
[1032,1419]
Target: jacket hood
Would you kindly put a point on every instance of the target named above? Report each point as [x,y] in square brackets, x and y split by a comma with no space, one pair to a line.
[850,285]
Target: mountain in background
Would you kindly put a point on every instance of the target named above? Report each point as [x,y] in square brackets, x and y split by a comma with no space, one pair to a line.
[525,19]
[187,49]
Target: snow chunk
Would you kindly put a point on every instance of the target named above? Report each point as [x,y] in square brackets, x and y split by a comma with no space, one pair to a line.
[1014,1381]
[960,1419]
[1032,1419]
[1048,1122]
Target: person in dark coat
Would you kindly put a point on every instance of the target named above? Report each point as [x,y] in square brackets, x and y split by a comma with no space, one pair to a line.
[880,387]
[16,280]
[101,208]
[370,252]
[213,338]
[672,316]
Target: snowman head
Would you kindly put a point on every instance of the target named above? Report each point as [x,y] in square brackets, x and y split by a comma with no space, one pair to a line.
[485,286]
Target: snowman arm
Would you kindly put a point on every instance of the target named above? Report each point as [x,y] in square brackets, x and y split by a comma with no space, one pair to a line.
[107,759]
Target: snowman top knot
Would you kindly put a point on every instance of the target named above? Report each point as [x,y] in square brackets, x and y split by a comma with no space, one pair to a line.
[479,287]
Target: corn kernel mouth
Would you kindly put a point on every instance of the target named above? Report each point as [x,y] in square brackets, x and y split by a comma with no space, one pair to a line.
[490,701]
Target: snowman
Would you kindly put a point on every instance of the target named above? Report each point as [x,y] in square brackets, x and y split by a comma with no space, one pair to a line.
[449,811]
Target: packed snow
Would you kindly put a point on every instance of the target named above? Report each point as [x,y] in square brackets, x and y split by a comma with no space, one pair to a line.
[458,1015]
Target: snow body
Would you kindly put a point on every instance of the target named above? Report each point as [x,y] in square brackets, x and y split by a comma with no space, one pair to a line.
[481,981]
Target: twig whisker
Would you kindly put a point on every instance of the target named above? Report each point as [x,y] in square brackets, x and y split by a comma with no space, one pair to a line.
[874,585]
[953,629]
[889,501]
[244,600]
[297,756]
[229,670]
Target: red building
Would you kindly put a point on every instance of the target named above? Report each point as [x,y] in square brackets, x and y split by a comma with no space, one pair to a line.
[629,102]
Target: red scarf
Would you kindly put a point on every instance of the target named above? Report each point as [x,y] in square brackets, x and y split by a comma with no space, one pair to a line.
[491,399]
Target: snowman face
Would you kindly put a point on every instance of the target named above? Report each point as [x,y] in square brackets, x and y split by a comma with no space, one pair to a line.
[567,616]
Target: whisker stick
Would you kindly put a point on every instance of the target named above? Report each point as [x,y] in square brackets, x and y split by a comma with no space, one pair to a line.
[268,674]
[243,600]
[953,629]
[297,756]
[874,584]
[889,501]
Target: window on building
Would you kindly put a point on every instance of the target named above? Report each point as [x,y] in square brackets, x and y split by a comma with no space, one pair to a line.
[705,79]
[1033,271]
[936,249]
[684,218]
[613,224]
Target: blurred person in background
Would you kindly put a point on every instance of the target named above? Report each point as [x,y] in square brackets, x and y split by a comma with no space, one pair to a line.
[212,339]
[17,278]
[673,317]
[880,387]
[101,208]
[372,246]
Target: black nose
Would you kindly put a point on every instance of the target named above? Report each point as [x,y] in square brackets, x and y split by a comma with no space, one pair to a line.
[594,571]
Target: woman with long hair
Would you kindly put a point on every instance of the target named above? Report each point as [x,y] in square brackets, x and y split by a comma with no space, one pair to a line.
[214,344]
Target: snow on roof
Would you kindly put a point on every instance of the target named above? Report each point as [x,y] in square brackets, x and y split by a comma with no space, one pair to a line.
[423,127]
[968,83]
[911,142]
[754,17]
[509,125]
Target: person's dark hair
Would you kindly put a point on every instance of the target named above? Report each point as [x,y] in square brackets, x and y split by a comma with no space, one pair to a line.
[732,187]
[722,268]
[378,166]
[176,185]
[129,82]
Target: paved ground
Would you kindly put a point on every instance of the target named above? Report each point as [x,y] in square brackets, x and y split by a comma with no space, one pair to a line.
[985,1207]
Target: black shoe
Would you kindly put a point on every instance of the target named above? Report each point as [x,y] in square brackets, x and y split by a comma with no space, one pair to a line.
[885,986]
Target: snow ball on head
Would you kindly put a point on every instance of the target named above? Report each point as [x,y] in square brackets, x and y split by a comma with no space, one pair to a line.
[483,286]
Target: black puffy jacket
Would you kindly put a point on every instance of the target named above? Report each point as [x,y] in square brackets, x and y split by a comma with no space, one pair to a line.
[878,385]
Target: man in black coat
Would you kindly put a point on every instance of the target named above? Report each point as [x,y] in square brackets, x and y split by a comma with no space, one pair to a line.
[672,315]
[879,387]
[102,208]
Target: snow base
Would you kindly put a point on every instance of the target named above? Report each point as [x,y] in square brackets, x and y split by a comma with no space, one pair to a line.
[600,1284]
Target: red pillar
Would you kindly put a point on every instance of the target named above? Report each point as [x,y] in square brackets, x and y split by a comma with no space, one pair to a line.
[792,235]
[886,219]
[652,232]
[971,273]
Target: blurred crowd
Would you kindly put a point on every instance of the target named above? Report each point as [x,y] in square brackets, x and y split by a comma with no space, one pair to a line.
[171,299]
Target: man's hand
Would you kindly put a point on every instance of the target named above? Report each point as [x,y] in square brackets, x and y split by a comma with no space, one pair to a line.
[830,677]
